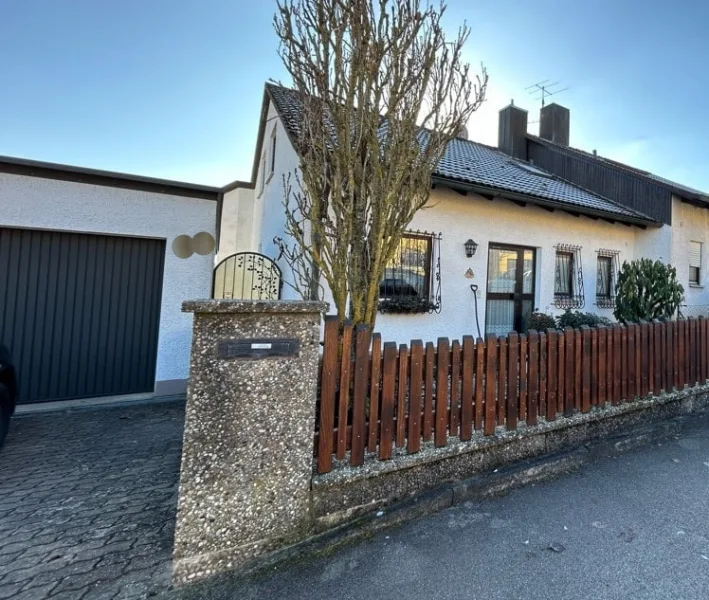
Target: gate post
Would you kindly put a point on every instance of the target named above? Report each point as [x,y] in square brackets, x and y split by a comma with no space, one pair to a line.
[247,458]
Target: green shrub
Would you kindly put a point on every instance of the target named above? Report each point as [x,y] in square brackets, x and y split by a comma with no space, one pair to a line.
[541,322]
[578,319]
[647,289]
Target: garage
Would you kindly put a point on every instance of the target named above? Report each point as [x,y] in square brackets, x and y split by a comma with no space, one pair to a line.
[94,267]
[80,312]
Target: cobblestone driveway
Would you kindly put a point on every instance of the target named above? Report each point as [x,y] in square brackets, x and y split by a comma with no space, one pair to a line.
[87,503]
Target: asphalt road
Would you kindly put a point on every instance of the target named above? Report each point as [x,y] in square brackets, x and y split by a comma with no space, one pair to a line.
[633,526]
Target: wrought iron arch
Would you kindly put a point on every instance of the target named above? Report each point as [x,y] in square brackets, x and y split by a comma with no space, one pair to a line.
[247,276]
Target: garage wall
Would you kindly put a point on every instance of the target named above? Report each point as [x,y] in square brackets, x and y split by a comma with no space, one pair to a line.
[39,203]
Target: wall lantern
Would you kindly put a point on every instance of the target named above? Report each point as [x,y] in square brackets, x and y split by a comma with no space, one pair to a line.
[470,248]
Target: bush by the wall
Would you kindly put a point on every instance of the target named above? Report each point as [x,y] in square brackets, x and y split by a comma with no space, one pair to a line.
[541,322]
[647,289]
[578,319]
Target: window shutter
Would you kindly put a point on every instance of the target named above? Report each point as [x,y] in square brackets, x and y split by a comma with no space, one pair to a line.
[695,254]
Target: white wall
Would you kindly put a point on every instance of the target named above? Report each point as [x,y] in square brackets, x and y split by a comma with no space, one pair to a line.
[690,223]
[271,211]
[68,206]
[240,226]
[500,221]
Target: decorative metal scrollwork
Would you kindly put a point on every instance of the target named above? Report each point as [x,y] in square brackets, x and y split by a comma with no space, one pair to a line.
[247,276]
[568,277]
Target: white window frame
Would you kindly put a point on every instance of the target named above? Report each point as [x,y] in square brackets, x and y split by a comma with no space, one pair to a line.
[695,262]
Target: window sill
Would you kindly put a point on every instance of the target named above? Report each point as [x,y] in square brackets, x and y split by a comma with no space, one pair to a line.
[697,286]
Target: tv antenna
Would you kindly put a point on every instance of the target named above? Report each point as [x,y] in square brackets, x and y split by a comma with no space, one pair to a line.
[543,89]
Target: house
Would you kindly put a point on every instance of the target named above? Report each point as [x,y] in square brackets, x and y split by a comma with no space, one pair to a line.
[681,211]
[537,240]
[94,267]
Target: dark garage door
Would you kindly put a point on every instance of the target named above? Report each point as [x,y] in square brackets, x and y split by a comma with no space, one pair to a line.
[79,312]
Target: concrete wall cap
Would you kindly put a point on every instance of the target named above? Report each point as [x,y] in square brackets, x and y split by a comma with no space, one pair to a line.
[254,306]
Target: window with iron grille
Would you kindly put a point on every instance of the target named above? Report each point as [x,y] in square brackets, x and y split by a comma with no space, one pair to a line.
[606,277]
[568,277]
[412,279]
[695,263]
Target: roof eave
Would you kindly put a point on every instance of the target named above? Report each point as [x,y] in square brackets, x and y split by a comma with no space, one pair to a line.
[544,202]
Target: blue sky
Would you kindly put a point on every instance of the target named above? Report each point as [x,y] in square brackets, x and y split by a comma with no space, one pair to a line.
[173,88]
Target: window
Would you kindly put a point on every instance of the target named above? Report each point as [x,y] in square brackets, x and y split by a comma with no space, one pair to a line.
[272,161]
[262,182]
[409,278]
[695,263]
[607,268]
[568,278]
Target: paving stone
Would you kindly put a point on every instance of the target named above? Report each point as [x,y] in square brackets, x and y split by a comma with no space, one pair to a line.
[87,508]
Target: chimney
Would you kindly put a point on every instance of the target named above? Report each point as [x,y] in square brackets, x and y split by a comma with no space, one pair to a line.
[554,124]
[512,131]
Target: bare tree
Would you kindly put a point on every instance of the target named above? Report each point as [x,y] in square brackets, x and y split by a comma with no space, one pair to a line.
[382,92]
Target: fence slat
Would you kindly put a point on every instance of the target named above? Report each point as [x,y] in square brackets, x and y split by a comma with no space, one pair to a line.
[414,437]
[442,391]
[501,380]
[428,395]
[684,354]
[657,359]
[552,344]
[388,400]
[669,334]
[344,400]
[401,396]
[523,377]
[570,372]
[533,383]
[466,412]
[664,379]
[693,352]
[585,375]
[623,364]
[644,360]
[374,392]
[602,351]
[594,367]
[361,379]
[327,394]
[542,403]
[631,362]
[490,383]
[610,362]
[705,350]
[479,382]
[455,388]
[512,379]
[561,377]
[617,364]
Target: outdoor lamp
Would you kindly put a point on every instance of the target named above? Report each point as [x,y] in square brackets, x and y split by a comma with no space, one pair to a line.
[470,248]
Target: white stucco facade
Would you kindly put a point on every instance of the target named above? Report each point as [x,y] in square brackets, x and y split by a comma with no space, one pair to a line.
[690,224]
[240,222]
[52,204]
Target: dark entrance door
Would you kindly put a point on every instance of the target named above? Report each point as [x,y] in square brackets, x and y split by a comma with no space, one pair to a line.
[80,312]
[510,288]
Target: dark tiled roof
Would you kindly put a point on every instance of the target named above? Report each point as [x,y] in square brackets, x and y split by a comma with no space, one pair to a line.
[481,166]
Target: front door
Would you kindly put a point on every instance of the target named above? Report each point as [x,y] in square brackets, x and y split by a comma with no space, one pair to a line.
[510,288]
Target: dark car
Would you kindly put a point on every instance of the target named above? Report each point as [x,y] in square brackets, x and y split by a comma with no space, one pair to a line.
[8,391]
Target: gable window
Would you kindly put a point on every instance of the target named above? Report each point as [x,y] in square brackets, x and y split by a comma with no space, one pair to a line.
[272,149]
[606,277]
[411,281]
[695,263]
[568,277]
[262,181]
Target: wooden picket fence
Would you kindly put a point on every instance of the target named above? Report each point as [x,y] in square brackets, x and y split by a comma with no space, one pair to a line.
[375,397]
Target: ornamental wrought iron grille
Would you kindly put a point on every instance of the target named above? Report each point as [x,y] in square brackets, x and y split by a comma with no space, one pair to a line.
[412,279]
[568,277]
[247,276]
[607,268]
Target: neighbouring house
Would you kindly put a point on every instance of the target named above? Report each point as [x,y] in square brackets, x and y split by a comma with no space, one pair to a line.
[94,267]
[537,239]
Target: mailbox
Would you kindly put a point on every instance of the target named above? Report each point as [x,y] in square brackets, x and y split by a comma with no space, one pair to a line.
[258,348]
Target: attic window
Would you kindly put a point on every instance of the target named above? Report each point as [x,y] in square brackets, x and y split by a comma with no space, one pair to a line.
[568,277]
[272,150]
[530,168]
